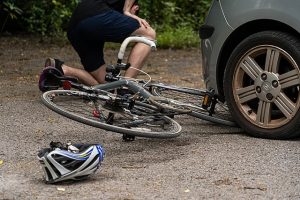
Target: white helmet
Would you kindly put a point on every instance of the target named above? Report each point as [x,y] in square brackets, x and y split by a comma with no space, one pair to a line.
[70,162]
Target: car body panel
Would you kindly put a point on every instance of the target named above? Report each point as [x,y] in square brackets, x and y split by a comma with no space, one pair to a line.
[211,46]
[239,12]
[228,15]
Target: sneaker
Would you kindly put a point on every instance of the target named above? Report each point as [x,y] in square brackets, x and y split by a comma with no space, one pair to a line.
[50,62]
[53,62]
[48,79]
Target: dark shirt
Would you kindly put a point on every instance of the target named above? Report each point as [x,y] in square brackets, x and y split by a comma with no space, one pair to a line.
[117,5]
[90,8]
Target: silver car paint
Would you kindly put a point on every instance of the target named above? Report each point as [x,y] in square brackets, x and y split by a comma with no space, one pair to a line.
[228,15]
[239,12]
[211,47]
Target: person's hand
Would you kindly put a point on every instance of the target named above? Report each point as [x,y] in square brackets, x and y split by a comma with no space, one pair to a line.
[134,9]
[142,22]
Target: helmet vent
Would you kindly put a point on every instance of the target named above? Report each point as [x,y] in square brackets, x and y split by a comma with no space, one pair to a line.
[92,162]
[54,168]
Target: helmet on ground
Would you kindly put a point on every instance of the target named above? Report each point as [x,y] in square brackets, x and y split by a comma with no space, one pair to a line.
[70,162]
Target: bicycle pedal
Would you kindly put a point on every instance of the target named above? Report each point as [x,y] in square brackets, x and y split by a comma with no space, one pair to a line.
[206,101]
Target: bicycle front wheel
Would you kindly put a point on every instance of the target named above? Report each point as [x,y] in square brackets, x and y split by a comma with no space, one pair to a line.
[193,98]
[140,119]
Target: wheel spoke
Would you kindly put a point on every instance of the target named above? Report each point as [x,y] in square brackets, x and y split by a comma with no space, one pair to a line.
[246,94]
[264,112]
[251,67]
[286,106]
[264,87]
[272,60]
[289,79]
[142,120]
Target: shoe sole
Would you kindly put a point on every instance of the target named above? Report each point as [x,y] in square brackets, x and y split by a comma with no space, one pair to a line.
[50,62]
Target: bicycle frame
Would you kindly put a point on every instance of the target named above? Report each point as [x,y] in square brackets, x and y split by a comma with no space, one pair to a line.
[136,88]
[139,94]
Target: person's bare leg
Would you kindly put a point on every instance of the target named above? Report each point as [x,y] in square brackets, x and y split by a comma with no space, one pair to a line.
[137,58]
[99,74]
[140,51]
[84,76]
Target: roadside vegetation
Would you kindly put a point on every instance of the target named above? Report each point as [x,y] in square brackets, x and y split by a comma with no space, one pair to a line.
[176,21]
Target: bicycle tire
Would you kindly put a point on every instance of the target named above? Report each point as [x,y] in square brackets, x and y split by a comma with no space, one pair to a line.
[142,120]
[169,104]
[193,99]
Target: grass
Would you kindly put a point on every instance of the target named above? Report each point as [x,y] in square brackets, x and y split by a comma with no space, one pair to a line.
[179,38]
[174,38]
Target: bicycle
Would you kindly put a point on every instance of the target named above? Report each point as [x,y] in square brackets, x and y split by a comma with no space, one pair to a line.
[148,107]
[136,113]
[204,104]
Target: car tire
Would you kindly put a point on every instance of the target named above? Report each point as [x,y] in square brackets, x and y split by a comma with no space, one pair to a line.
[262,85]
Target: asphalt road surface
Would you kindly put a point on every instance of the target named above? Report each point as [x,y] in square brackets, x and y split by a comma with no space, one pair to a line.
[207,161]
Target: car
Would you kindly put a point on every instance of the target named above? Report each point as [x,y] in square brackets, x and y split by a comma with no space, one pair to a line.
[251,59]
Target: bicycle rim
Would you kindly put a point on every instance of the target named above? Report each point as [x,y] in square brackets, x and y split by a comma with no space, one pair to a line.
[193,99]
[142,120]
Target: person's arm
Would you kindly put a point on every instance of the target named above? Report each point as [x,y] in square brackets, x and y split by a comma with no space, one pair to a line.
[127,11]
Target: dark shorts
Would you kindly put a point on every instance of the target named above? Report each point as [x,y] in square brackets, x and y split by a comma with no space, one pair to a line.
[89,36]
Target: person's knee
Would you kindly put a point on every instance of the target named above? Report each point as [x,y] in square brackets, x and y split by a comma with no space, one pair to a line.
[99,74]
[151,34]
[146,32]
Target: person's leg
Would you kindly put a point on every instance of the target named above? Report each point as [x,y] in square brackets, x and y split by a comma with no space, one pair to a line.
[99,74]
[87,41]
[84,76]
[80,74]
[140,51]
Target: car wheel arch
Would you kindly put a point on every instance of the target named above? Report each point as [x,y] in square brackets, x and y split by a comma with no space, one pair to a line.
[238,35]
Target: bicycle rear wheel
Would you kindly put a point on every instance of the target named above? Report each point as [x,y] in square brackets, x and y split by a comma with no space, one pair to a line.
[193,98]
[139,119]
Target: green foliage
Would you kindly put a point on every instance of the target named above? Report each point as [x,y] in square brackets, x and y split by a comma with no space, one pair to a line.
[175,13]
[181,37]
[47,17]
[11,10]
[176,21]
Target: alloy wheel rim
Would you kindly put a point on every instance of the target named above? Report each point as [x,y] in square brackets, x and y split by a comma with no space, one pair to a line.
[266,86]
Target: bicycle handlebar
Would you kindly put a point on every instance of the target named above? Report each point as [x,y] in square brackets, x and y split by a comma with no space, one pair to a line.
[125,43]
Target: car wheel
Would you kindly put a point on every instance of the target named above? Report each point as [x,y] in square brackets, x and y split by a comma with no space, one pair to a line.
[262,85]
